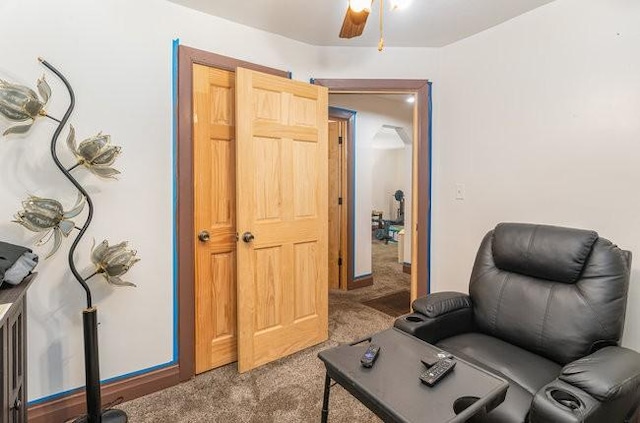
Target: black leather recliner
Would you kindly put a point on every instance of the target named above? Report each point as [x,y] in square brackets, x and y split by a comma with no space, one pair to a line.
[545,310]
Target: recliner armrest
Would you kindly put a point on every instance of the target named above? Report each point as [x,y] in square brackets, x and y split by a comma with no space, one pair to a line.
[559,402]
[607,374]
[439,303]
[599,388]
[452,315]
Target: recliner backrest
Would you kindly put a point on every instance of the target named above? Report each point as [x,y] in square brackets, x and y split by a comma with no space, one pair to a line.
[558,292]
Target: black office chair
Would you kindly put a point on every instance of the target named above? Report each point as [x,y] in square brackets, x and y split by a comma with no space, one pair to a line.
[545,310]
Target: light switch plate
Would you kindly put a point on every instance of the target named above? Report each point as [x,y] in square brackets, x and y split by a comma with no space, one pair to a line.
[459,191]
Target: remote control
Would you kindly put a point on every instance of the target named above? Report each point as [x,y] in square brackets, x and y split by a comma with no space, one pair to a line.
[433,357]
[369,357]
[439,370]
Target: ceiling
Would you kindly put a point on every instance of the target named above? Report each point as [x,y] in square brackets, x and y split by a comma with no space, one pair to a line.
[425,23]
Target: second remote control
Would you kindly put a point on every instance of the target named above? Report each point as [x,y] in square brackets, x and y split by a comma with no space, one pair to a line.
[436,372]
[369,357]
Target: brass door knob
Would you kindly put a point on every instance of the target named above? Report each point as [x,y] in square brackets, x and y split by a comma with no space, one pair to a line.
[204,236]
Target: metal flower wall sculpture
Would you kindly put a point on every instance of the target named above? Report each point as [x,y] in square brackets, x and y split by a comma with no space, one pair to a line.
[95,153]
[113,262]
[22,106]
[47,215]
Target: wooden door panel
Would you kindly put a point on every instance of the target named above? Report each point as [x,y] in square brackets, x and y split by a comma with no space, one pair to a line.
[216,343]
[223,294]
[282,200]
[222,99]
[214,205]
[268,288]
[217,154]
[305,278]
[305,175]
[268,178]
[289,340]
[334,207]
[305,112]
[267,105]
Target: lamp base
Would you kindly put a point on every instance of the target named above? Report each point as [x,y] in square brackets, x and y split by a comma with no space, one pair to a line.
[108,416]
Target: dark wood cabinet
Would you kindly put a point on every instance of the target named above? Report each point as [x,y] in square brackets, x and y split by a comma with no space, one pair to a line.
[13,355]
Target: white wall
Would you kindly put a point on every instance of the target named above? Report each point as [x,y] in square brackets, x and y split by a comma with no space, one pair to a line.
[367,62]
[540,119]
[378,173]
[383,179]
[117,55]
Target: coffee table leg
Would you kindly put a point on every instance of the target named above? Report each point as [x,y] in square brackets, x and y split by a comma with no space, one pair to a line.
[325,401]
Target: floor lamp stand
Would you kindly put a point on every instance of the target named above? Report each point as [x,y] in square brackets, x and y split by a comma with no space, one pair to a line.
[92,373]
[95,414]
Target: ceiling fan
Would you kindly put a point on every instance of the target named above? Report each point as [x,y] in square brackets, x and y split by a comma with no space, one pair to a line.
[357,13]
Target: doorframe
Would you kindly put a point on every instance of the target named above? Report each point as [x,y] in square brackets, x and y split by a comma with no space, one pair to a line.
[185,231]
[349,116]
[421,204]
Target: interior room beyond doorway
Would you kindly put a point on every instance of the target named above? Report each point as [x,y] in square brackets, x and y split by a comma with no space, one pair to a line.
[382,162]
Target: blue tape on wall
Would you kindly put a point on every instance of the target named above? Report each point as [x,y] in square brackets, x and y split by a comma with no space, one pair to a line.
[174,178]
[429,220]
[103,381]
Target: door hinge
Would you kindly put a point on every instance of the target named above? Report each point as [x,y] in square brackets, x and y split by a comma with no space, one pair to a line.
[340,139]
[339,201]
[339,261]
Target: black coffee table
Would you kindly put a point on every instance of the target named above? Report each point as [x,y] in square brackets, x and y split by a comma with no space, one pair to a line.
[392,390]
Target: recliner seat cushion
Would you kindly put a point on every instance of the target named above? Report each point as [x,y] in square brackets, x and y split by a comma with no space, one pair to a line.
[525,371]
[528,370]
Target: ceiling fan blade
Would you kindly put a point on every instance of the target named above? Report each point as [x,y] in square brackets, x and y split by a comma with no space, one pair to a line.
[353,23]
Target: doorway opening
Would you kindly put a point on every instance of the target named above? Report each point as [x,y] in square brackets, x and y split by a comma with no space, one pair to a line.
[381,156]
[416,201]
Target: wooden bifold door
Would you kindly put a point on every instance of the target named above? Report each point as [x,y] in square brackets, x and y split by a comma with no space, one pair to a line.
[215,217]
[260,188]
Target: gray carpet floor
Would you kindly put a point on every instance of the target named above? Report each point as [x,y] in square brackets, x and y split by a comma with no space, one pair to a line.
[290,389]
